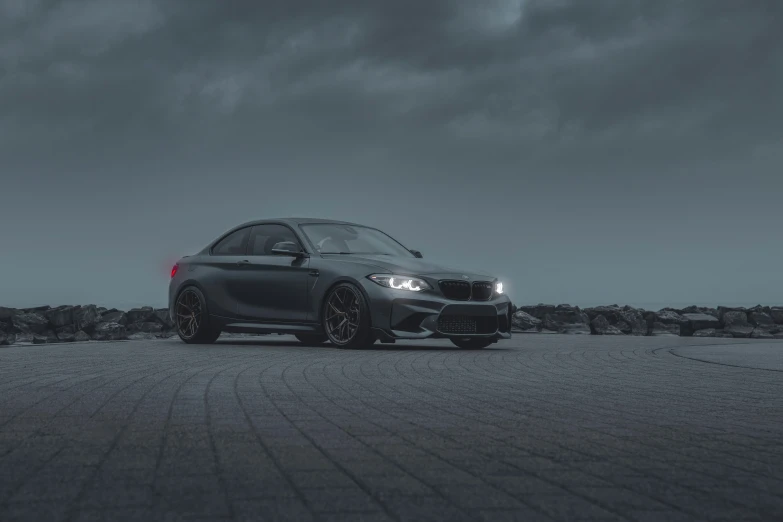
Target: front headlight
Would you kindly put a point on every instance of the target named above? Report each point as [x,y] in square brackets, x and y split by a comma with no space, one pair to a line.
[499,287]
[398,282]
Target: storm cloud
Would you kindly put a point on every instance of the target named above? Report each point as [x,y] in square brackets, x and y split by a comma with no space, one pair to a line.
[587,151]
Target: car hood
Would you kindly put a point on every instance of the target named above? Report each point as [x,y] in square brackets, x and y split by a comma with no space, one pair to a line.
[410,266]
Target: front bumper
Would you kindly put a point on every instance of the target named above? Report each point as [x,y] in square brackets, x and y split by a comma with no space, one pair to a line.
[396,314]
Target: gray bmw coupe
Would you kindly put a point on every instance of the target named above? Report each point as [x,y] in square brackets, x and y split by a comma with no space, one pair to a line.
[330,281]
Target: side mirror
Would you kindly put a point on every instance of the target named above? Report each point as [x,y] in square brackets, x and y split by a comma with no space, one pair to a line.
[287,248]
[416,253]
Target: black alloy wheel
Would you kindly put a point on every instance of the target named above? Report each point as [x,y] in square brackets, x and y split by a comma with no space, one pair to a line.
[346,317]
[471,343]
[192,318]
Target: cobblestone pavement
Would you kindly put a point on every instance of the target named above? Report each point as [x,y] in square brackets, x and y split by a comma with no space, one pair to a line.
[541,427]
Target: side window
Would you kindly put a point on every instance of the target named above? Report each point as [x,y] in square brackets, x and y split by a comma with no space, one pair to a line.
[233,244]
[265,237]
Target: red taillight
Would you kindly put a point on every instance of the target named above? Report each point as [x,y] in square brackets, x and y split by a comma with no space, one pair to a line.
[174,270]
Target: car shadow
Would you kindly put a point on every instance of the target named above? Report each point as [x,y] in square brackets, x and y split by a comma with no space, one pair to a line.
[396,347]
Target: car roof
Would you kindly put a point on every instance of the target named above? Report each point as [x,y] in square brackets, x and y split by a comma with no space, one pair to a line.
[295,221]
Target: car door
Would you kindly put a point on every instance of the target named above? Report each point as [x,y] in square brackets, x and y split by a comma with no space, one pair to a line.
[274,286]
[220,273]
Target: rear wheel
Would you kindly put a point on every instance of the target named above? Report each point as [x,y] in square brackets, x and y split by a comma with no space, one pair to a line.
[471,343]
[311,339]
[192,318]
[346,318]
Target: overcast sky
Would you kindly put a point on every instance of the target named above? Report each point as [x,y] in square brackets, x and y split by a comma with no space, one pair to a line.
[587,151]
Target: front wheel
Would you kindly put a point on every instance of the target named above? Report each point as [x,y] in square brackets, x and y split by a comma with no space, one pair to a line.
[471,343]
[193,324]
[346,318]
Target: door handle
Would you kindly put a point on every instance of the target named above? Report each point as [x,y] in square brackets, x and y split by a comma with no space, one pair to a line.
[243,262]
[314,273]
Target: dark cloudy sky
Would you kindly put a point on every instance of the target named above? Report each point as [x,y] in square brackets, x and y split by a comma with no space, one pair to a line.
[588,151]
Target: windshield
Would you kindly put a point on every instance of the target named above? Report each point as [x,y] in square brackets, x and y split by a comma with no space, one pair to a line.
[333,238]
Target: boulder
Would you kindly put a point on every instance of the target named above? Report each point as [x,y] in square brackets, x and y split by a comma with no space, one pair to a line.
[776,312]
[30,323]
[60,316]
[760,319]
[611,313]
[567,319]
[5,327]
[700,321]
[39,339]
[162,316]
[147,327]
[109,332]
[711,332]
[81,337]
[86,317]
[665,329]
[722,310]
[539,311]
[36,309]
[700,310]
[7,338]
[734,318]
[667,316]
[600,326]
[141,336]
[739,331]
[115,316]
[140,315]
[524,321]
[635,320]
[7,313]
[102,309]
[760,333]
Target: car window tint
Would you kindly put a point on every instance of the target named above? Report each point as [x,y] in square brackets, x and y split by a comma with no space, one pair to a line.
[265,237]
[233,244]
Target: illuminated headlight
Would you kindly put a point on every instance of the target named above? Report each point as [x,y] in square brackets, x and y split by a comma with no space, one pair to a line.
[498,287]
[397,282]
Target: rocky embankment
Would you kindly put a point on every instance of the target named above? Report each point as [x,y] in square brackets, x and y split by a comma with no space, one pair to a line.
[64,324]
[759,322]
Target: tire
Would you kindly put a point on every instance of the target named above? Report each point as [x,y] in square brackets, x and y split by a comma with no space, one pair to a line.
[471,343]
[203,332]
[356,313]
[311,339]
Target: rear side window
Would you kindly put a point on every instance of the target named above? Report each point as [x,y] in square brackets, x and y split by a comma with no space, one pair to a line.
[265,237]
[233,244]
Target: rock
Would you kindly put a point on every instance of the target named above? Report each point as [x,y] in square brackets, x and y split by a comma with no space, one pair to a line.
[611,313]
[739,331]
[7,338]
[700,310]
[524,321]
[699,321]
[141,336]
[36,309]
[86,317]
[30,323]
[710,332]
[81,337]
[734,318]
[760,333]
[7,313]
[5,327]
[539,311]
[762,319]
[147,327]
[659,328]
[635,320]
[102,309]
[722,310]
[109,332]
[60,316]
[115,316]
[600,326]
[140,315]
[666,316]
[776,312]
[162,316]
[567,319]
[39,339]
